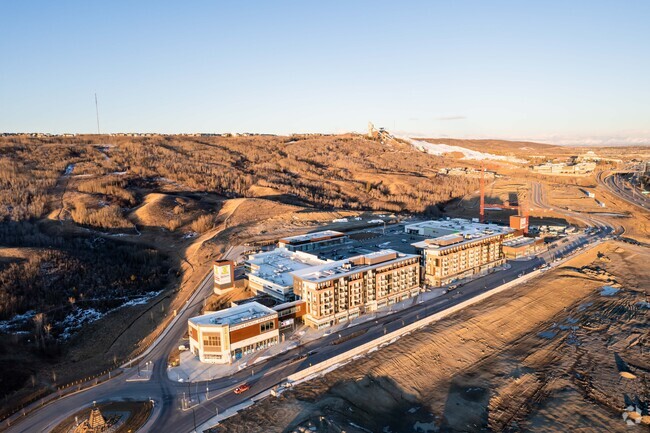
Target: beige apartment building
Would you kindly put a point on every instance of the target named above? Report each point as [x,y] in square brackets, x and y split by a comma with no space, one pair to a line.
[460,248]
[339,291]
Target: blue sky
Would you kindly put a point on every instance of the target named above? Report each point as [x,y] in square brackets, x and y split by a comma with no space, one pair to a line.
[566,71]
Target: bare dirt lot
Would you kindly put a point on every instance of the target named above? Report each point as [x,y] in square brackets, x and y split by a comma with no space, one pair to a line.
[559,353]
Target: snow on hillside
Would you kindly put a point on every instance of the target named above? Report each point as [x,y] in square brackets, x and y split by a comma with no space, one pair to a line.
[440,149]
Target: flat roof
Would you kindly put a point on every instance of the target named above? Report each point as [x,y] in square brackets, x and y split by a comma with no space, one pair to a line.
[234,315]
[312,237]
[456,231]
[520,241]
[352,265]
[276,266]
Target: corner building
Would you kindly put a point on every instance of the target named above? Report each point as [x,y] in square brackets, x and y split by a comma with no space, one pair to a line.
[226,335]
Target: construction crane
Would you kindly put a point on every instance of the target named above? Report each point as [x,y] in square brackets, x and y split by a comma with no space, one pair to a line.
[520,221]
[481,214]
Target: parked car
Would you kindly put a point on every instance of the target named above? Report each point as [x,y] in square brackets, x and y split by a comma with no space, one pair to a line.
[242,388]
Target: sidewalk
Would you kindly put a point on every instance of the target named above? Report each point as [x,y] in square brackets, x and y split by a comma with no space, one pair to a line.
[193,370]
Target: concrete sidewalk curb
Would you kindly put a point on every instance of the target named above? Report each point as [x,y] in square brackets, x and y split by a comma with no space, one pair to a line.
[232,411]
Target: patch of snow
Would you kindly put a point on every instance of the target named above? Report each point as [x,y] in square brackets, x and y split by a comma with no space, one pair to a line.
[140,300]
[608,291]
[77,319]
[441,149]
[547,334]
[68,170]
[16,321]
[425,427]
[359,427]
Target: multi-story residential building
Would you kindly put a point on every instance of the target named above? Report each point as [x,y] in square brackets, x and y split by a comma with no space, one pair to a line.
[226,335]
[313,241]
[338,291]
[459,248]
[270,272]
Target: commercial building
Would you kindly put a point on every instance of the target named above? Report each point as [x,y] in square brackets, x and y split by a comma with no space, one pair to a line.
[312,241]
[270,272]
[290,313]
[458,248]
[342,290]
[223,336]
[563,168]
[521,247]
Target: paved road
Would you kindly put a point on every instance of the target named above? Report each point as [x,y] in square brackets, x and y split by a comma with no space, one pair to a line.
[168,394]
[617,184]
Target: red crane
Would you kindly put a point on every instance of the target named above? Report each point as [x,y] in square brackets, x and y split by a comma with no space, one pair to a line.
[521,207]
[482,203]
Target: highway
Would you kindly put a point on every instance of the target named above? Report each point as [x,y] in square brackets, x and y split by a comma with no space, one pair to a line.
[616,184]
[217,396]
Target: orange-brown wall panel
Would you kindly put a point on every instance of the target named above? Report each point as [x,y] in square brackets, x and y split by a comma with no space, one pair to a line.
[248,332]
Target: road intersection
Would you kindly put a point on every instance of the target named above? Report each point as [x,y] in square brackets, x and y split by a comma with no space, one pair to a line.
[210,398]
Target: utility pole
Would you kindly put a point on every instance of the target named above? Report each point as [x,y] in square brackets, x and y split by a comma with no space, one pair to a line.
[97,113]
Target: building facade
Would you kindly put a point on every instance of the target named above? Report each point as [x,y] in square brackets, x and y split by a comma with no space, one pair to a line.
[312,241]
[459,249]
[224,336]
[224,276]
[339,291]
[290,313]
[521,247]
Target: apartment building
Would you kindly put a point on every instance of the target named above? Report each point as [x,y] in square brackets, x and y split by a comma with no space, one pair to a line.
[224,336]
[339,291]
[312,241]
[270,272]
[458,249]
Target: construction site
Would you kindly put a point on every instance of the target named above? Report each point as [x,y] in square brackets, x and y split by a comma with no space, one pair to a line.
[567,352]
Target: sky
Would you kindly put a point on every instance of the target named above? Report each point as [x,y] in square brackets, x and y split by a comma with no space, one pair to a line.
[566,72]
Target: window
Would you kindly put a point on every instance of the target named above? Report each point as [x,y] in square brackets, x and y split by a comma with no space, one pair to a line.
[268,326]
[288,311]
[212,340]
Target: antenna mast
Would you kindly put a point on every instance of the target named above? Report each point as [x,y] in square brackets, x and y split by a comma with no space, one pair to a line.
[97,113]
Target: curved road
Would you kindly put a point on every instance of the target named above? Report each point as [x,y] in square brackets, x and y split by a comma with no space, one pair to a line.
[217,396]
[616,184]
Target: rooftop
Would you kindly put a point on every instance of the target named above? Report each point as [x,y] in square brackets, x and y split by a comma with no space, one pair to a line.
[275,266]
[520,241]
[312,237]
[234,315]
[352,265]
[456,231]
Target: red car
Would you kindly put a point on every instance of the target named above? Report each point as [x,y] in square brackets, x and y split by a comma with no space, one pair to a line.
[242,388]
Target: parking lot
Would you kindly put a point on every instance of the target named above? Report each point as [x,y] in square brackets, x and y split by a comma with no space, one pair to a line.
[373,239]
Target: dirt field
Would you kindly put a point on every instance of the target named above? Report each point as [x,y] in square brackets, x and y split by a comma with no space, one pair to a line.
[550,355]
